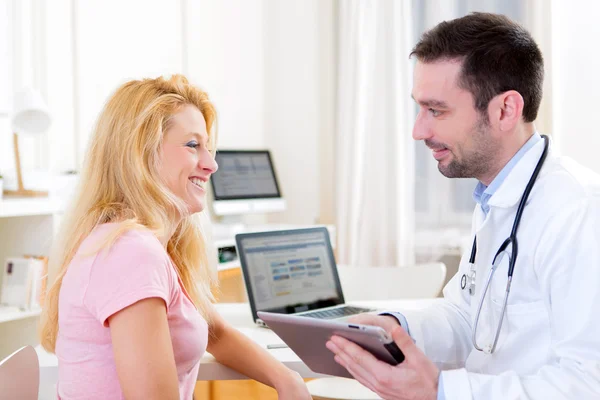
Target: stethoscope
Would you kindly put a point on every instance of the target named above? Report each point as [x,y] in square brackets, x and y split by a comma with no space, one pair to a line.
[512,258]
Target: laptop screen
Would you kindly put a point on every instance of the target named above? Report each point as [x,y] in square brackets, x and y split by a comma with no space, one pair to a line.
[289,271]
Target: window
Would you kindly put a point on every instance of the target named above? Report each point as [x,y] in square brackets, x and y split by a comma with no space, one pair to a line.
[442,203]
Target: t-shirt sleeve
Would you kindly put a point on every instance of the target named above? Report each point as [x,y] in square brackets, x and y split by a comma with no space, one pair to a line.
[134,268]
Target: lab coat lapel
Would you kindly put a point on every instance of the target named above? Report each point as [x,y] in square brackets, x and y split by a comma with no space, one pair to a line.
[496,227]
[491,233]
[511,190]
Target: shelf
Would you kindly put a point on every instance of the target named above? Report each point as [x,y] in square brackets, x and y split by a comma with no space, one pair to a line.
[228,265]
[224,243]
[23,207]
[8,314]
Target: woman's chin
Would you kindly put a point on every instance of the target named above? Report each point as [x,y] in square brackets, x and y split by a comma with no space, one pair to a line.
[195,207]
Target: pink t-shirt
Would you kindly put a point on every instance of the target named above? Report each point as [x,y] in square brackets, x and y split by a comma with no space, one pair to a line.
[97,286]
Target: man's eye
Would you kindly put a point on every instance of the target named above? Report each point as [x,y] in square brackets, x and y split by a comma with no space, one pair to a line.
[434,112]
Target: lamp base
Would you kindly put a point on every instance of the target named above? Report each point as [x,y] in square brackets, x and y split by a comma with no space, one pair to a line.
[25,193]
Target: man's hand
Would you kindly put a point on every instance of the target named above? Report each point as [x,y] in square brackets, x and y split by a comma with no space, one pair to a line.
[387,322]
[414,379]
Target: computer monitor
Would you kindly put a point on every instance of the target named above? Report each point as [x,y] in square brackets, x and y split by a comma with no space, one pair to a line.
[245,183]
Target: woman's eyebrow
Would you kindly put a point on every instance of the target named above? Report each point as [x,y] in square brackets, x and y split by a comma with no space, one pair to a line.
[199,136]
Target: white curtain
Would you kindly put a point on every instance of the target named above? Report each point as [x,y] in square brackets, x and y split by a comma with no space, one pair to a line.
[537,19]
[375,151]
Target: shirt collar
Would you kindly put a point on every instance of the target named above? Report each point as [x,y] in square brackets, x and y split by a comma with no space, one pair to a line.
[483,193]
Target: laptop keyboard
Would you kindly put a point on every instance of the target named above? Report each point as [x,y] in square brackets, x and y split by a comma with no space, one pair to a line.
[333,313]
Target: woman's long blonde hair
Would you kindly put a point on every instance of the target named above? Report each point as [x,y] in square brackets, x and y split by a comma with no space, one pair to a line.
[120,183]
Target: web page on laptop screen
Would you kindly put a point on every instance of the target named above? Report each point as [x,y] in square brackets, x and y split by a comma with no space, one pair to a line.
[289,270]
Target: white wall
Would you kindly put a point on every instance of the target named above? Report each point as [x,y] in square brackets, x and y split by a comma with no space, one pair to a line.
[6,158]
[21,67]
[299,104]
[267,65]
[60,87]
[218,45]
[5,54]
[37,44]
[116,41]
[576,80]
[225,53]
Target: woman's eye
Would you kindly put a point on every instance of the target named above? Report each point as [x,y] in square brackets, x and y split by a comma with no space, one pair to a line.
[192,145]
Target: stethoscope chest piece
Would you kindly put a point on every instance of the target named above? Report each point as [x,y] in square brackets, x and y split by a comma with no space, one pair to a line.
[470,280]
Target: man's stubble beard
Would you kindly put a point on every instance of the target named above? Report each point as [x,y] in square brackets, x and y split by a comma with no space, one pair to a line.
[477,161]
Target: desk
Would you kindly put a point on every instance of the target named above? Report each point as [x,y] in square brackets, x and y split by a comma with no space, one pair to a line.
[239,315]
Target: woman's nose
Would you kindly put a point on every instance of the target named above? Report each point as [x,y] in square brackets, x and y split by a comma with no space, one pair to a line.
[208,163]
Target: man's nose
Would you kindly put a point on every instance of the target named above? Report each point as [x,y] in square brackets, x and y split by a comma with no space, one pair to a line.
[421,129]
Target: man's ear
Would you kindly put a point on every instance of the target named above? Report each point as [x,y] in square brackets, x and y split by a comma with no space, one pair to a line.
[506,110]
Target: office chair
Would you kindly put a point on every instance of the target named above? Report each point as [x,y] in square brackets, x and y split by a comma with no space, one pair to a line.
[20,375]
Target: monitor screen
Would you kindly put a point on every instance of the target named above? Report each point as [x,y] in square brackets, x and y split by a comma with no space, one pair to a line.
[244,174]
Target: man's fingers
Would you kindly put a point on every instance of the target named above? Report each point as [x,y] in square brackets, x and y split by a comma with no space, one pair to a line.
[357,353]
[386,322]
[404,342]
[361,373]
[355,356]
[346,361]
[365,319]
[355,370]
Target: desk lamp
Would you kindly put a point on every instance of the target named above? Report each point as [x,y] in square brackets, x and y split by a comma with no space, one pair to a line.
[30,116]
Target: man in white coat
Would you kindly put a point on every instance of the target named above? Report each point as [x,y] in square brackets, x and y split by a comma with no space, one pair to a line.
[478,82]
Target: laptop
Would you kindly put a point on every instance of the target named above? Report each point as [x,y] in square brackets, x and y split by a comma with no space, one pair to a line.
[292,272]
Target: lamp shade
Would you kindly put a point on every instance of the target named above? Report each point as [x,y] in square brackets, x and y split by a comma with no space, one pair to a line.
[30,112]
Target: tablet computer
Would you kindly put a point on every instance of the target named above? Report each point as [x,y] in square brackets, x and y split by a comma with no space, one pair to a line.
[307,337]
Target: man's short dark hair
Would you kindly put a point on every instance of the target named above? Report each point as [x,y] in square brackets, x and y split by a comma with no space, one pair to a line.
[498,55]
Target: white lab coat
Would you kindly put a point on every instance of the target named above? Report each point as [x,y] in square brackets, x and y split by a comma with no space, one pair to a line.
[549,347]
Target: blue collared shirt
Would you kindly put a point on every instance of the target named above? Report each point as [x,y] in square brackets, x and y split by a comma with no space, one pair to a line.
[482,193]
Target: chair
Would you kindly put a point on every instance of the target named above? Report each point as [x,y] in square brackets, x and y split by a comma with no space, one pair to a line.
[20,375]
[418,281]
[378,283]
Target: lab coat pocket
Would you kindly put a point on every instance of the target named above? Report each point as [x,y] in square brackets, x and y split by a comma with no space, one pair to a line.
[525,308]
[525,314]
[523,341]
[521,300]
[526,336]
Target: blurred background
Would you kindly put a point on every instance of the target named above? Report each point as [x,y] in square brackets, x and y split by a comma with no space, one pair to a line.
[323,84]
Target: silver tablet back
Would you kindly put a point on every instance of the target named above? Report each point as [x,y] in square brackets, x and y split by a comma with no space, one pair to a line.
[307,338]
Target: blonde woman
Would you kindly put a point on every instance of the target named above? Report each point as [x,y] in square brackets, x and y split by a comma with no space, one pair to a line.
[130,313]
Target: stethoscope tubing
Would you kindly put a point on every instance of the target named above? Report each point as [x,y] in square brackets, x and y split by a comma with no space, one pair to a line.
[512,241]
